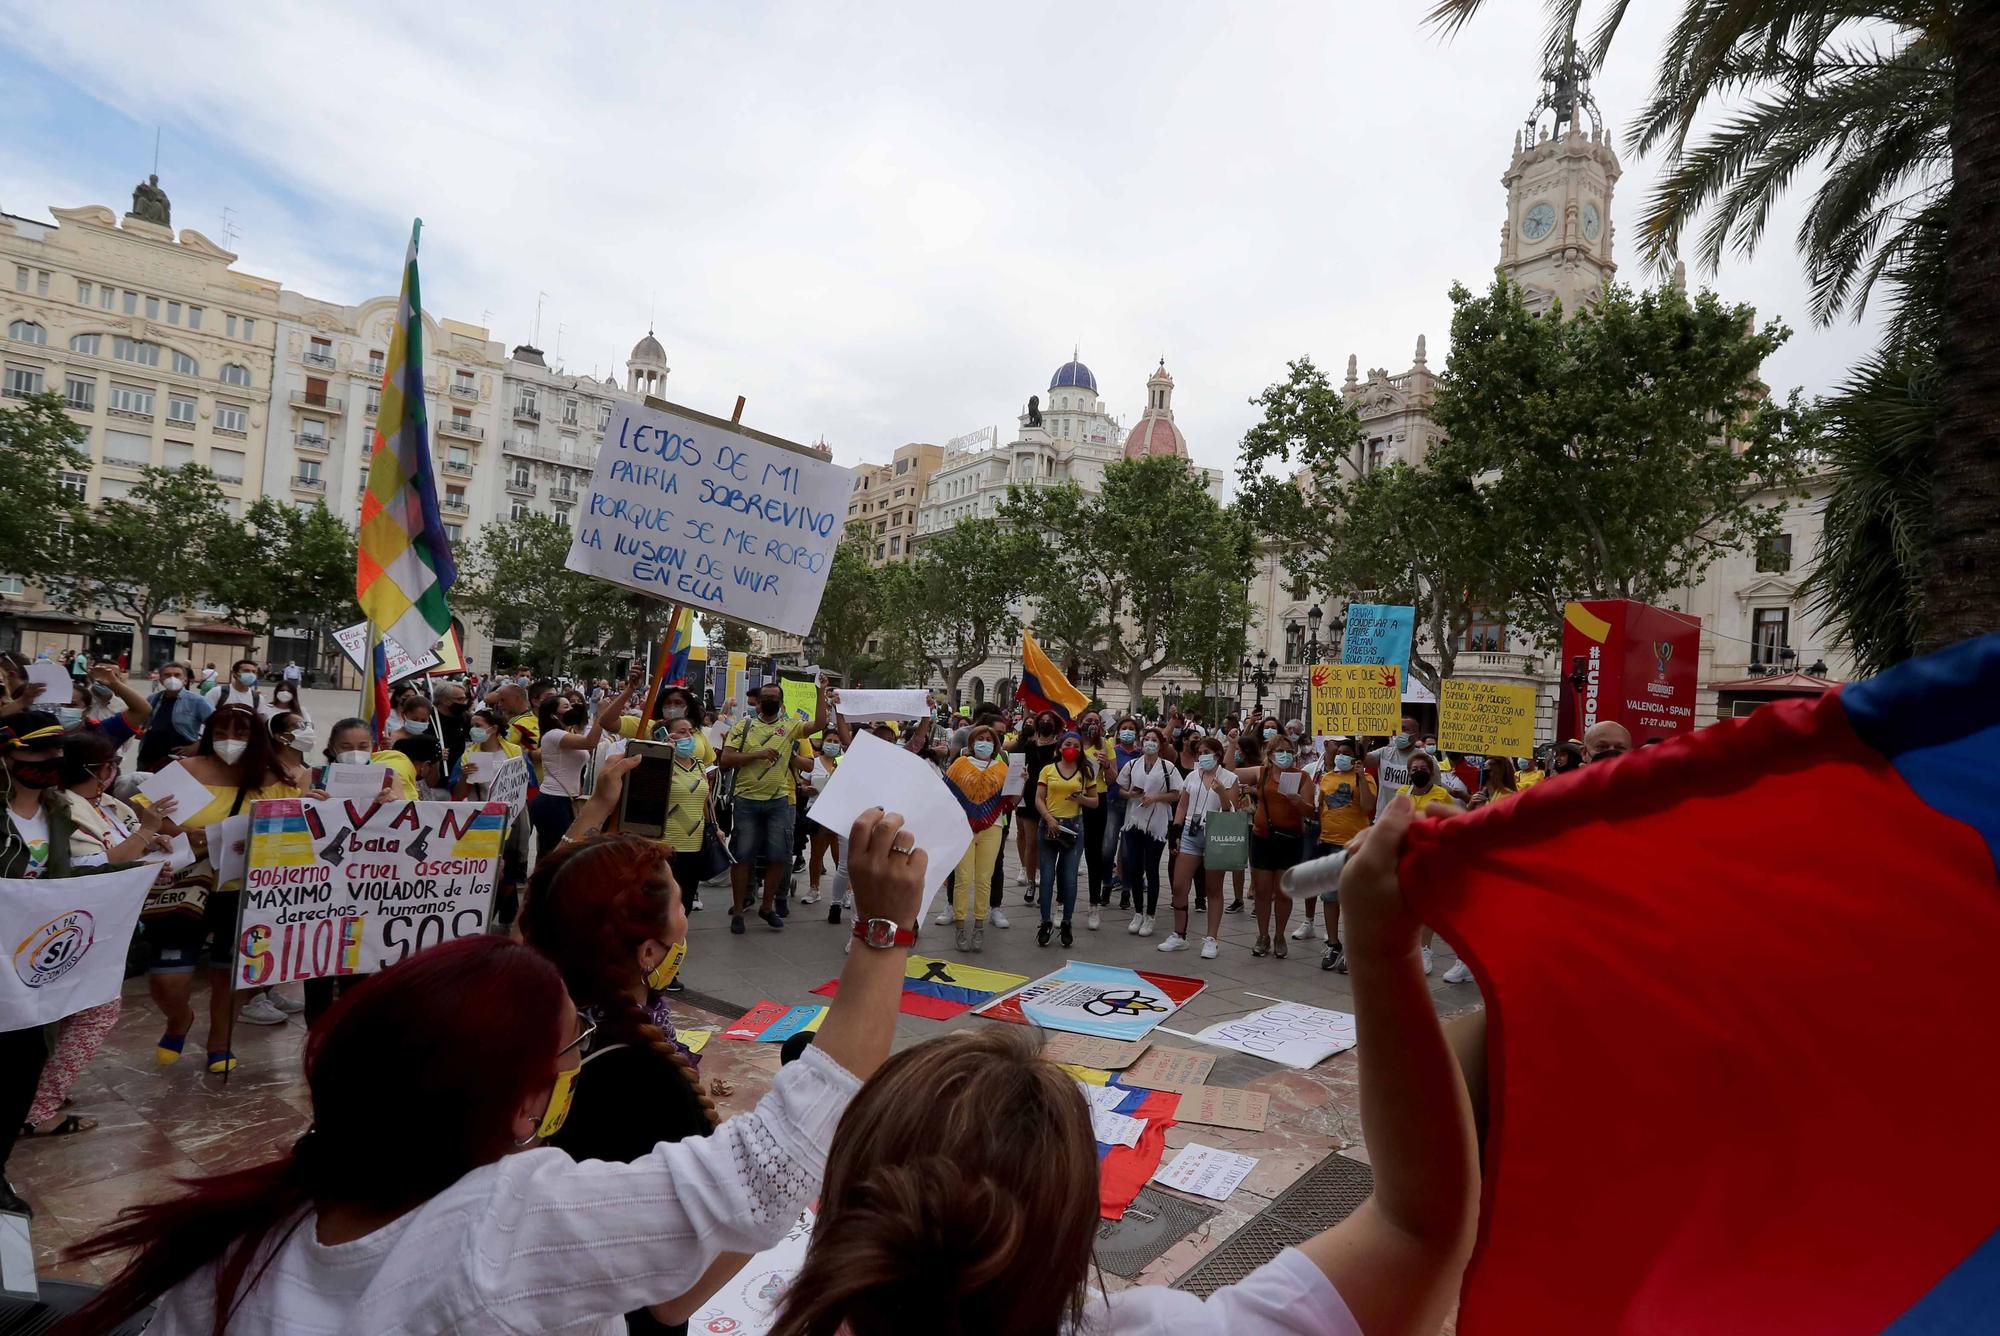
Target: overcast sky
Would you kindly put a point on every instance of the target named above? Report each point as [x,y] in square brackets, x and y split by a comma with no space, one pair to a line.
[880,223]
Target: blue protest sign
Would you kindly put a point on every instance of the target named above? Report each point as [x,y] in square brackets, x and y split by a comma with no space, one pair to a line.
[1379,633]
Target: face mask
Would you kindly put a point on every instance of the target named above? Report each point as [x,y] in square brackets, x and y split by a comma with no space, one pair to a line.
[769,708]
[1281,759]
[354,757]
[1420,779]
[832,749]
[663,973]
[230,750]
[302,740]
[394,721]
[284,698]
[36,774]
[675,712]
[1401,742]
[1270,733]
[1093,730]
[170,685]
[69,715]
[1206,761]
[1071,752]
[1126,735]
[983,750]
[246,680]
[1046,729]
[559,1102]
[1292,733]
[683,746]
[1343,763]
[417,726]
[99,690]
[1433,752]
[476,735]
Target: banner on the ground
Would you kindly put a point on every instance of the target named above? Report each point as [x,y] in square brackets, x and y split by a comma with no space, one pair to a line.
[337,887]
[748,1303]
[773,1022]
[1356,698]
[1486,718]
[353,642]
[1290,1033]
[66,938]
[699,511]
[940,989]
[1638,666]
[1379,633]
[1107,1001]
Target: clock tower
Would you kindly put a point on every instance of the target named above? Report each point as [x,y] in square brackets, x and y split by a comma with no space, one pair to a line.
[1556,241]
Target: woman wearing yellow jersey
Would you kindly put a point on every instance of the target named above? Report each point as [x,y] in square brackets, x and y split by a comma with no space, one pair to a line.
[690,811]
[1346,808]
[1062,793]
[1500,782]
[237,763]
[486,747]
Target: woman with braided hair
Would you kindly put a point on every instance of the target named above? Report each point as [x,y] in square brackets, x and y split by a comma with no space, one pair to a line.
[606,912]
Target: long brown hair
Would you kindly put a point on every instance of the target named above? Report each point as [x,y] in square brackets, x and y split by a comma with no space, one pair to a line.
[962,1186]
[589,909]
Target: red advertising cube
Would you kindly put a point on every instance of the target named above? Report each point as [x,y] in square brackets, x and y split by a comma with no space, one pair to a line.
[1629,662]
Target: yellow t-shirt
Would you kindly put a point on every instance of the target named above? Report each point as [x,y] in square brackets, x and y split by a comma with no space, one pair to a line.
[1342,813]
[764,780]
[406,771]
[1527,779]
[526,730]
[1062,803]
[686,803]
[1436,796]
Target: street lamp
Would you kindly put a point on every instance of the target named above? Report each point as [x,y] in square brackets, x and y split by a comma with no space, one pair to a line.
[1260,677]
[1313,619]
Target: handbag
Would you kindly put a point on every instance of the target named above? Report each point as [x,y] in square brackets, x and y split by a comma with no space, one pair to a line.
[714,855]
[185,894]
[1228,847]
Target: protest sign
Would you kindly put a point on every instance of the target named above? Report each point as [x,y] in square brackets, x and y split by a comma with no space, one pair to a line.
[1379,633]
[710,514]
[1204,1171]
[748,1303]
[353,642]
[1083,1051]
[509,785]
[1169,1069]
[1106,1001]
[1353,698]
[1290,1033]
[340,887]
[1486,718]
[1225,1106]
[66,938]
[801,698]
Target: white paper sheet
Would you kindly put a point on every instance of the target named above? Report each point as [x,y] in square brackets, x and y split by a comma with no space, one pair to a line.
[1205,1171]
[1290,1033]
[875,773]
[480,765]
[17,1257]
[1103,1098]
[57,686]
[228,847]
[362,783]
[1017,775]
[860,705]
[1115,1129]
[190,795]
[1288,782]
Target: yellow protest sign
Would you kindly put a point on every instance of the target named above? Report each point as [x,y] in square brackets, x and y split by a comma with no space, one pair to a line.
[1486,718]
[1356,698]
[801,698]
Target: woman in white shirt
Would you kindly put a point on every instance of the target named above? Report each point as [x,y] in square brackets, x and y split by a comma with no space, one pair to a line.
[566,747]
[420,1200]
[1151,785]
[1210,788]
[927,1210]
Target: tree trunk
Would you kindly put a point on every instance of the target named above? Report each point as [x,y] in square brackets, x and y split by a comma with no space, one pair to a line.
[1962,593]
[952,676]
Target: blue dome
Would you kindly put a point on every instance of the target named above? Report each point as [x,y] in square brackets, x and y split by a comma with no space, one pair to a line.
[1074,375]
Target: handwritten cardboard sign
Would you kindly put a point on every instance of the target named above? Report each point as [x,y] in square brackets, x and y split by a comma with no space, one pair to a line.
[1224,1106]
[1486,718]
[1352,698]
[1084,1051]
[1169,1069]
[695,510]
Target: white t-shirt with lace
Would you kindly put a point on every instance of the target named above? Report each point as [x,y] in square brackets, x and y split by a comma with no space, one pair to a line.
[537,1242]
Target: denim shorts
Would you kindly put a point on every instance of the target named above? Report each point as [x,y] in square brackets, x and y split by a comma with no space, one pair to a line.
[763,829]
[1194,838]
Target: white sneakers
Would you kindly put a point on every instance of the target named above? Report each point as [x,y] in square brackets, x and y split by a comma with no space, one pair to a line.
[997,917]
[809,898]
[944,918]
[1146,926]
[260,1010]
[1174,942]
[1133,926]
[1427,960]
[1208,948]
[1458,974]
[1304,932]
[1091,920]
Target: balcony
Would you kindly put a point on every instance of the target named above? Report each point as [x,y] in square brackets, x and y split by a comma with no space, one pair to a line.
[455,505]
[515,487]
[453,427]
[456,469]
[319,359]
[564,496]
[325,402]
[309,485]
[374,405]
[238,433]
[464,390]
[527,413]
[303,441]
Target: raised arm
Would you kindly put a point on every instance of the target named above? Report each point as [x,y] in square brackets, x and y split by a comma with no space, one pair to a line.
[137,709]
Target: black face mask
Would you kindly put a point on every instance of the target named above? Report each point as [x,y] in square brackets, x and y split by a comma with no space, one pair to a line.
[36,774]
[1421,779]
[769,708]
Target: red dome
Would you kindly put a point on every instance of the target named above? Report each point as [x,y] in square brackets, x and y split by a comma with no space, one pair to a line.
[1155,436]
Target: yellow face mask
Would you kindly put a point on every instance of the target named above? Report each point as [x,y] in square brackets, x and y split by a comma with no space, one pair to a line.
[560,1099]
[663,973]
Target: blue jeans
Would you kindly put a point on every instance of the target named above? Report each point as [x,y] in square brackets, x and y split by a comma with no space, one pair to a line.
[1059,862]
[763,829]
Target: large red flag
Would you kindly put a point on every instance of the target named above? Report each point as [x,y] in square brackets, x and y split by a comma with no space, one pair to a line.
[1743,1045]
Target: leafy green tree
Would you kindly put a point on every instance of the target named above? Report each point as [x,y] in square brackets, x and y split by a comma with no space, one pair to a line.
[730,637]
[38,441]
[1128,555]
[148,552]
[949,608]
[1212,636]
[513,574]
[847,608]
[286,565]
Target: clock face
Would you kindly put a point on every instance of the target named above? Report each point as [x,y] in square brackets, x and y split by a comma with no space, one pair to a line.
[1592,222]
[1539,221]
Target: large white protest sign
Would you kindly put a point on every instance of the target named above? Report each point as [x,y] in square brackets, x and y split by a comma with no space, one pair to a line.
[1290,1033]
[67,938]
[695,510]
[334,886]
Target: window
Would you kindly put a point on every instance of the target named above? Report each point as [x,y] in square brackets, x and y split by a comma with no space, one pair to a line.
[312,429]
[229,325]
[1295,642]
[378,363]
[127,447]
[603,416]
[880,553]
[569,412]
[228,464]
[23,381]
[1775,553]
[902,466]
[131,399]
[187,366]
[895,547]
[528,399]
[83,291]
[374,400]
[1378,450]
[454,532]
[194,317]
[461,381]
[20,278]
[461,422]
[249,328]
[13,584]
[518,511]
[115,489]
[27,331]
[1769,633]
[454,497]
[106,299]
[87,344]
[173,313]
[42,282]
[180,408]
[309,470]
[80,393]
[521,476]
[458,456]
[152,308]
[1486,633]
[130,305]
[76,484]
[135,350]
[179,454]
[232,374]
[232,417]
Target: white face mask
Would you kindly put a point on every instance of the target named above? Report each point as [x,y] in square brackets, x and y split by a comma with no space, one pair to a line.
[302,740]
[354,757]
[170,684]
[230,750]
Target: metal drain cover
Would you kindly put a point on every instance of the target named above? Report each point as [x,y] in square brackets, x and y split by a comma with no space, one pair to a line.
[1153,1223]
[1247,1249]
[1327,1194]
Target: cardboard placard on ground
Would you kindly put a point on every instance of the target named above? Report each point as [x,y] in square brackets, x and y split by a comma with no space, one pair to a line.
[1084,1051]
[1178,1069]
[1225,1106]
[1486,718]
[1356,698]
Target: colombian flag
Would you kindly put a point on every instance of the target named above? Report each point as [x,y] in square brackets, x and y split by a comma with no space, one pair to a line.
[1043,687]
[680,642]
[1743,1050]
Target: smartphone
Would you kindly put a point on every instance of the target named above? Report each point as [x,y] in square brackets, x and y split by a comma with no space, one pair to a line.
[648,795]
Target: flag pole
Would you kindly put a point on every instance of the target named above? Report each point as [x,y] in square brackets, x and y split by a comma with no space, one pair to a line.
[666,657]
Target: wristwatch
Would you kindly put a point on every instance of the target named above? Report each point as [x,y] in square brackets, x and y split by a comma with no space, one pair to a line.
[882,933]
